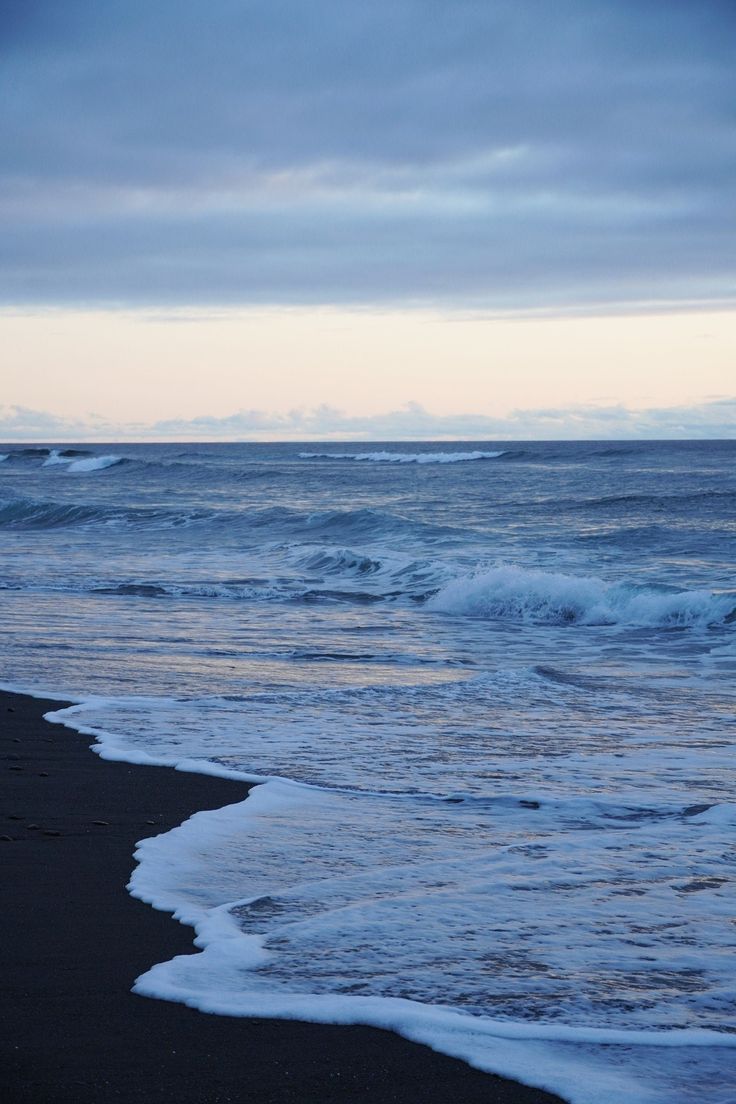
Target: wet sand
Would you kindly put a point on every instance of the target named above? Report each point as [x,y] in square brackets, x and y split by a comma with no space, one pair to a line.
[71,1032]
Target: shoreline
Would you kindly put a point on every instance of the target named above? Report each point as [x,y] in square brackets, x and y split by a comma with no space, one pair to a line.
[75,941]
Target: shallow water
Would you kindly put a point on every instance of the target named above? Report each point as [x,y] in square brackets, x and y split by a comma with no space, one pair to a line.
[489,689]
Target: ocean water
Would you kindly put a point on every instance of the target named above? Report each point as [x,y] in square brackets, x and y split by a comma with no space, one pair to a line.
[488,691]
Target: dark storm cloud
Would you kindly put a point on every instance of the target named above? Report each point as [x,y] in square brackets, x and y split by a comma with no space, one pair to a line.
[527,153]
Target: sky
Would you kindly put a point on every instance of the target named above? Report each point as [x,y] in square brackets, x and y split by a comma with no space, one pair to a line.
[408,218]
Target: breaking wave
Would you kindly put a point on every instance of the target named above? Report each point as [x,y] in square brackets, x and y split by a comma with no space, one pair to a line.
[65,456]
[513,593]
[403,457]
[95,463]
[74,460]
[55,457]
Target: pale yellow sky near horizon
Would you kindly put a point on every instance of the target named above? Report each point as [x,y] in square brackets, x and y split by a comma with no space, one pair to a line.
[142,366]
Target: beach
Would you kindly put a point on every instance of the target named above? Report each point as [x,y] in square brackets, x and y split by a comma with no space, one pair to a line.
[75,940]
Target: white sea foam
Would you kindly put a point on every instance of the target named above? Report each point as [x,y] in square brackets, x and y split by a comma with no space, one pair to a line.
[539,596]
[518,931]
[94,463]
[353,913]
[404,457]
[429,731]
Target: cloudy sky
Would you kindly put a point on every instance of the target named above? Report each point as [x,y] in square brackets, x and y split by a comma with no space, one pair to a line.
[226,217]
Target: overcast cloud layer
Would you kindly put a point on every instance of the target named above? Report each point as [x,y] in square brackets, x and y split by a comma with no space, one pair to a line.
[714,419]
[497,154]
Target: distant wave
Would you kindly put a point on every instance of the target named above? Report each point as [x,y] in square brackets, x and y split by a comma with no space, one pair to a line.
[581,454]
[74,460]
[515,594]
[29,513]
[64,456]
[403,457]
[48,455]
[55,457]
[95,463]
[652,502]
[26,513]
[281,521]
[615,450]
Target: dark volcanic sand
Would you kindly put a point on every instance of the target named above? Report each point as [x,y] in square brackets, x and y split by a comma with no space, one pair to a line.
[74,941]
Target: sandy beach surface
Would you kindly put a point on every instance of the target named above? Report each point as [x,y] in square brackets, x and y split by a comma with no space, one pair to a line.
[74,942]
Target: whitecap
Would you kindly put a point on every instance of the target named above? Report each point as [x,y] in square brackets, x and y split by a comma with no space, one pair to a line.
[518,594]
[56,457]
[403,457]
[94,463]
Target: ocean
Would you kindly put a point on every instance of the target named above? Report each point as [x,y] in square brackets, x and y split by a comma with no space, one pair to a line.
[488,691]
